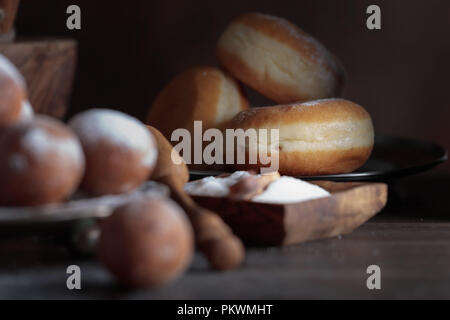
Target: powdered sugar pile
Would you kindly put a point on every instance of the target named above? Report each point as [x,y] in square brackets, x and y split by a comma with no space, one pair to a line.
[214,187]
[290,190]
[118,128]
[282,191]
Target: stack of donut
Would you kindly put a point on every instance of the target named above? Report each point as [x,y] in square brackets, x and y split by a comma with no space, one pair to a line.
[101,151]
[318,133]
[44,161]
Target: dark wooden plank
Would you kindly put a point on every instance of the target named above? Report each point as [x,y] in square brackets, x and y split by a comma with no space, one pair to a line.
[408,242]
[48,66]
[414,258]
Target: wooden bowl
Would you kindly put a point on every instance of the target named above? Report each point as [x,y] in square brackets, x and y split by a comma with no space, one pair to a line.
[350,205]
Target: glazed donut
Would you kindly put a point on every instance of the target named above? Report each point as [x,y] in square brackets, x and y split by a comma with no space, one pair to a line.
[147,242]
[120,151]
[279,60]
[12,92]
[200,93]
[315,138]
[41,161]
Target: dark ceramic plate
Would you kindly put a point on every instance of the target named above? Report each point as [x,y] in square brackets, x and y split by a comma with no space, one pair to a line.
[392,157]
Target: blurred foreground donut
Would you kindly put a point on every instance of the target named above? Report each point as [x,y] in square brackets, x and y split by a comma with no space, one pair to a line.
[41,161]
[12,92]
[120,151]
[26,111]
[315,138]
[201,93]
[147,242]
[279,60]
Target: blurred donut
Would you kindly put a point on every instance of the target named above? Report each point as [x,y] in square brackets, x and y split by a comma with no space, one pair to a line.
[279,60]
[120,151]
[147,242]
[26,111]
[12,92]
[201,93]
[41,161]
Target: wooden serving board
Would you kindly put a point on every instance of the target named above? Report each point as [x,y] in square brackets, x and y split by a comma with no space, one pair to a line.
[350,205]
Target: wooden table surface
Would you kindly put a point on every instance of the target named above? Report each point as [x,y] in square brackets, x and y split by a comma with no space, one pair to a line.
[409,240]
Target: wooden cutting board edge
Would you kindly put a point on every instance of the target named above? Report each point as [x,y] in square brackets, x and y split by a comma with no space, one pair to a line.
[353,206]
[353,203]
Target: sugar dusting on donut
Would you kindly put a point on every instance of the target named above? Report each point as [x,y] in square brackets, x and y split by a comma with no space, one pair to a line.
[279,60]
[119,128]
[42,144]
[315,51]
[6,67]
[26,112]
[309,46]
[214,187]
[290,190]
[317,102]
[42,162]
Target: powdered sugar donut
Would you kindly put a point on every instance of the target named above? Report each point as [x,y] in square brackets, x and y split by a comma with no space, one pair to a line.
[120,152]
[26,111]
[278,59]
[41,161]
[12,92]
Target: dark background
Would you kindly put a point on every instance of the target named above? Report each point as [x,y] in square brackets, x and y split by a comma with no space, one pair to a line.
[129,50]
